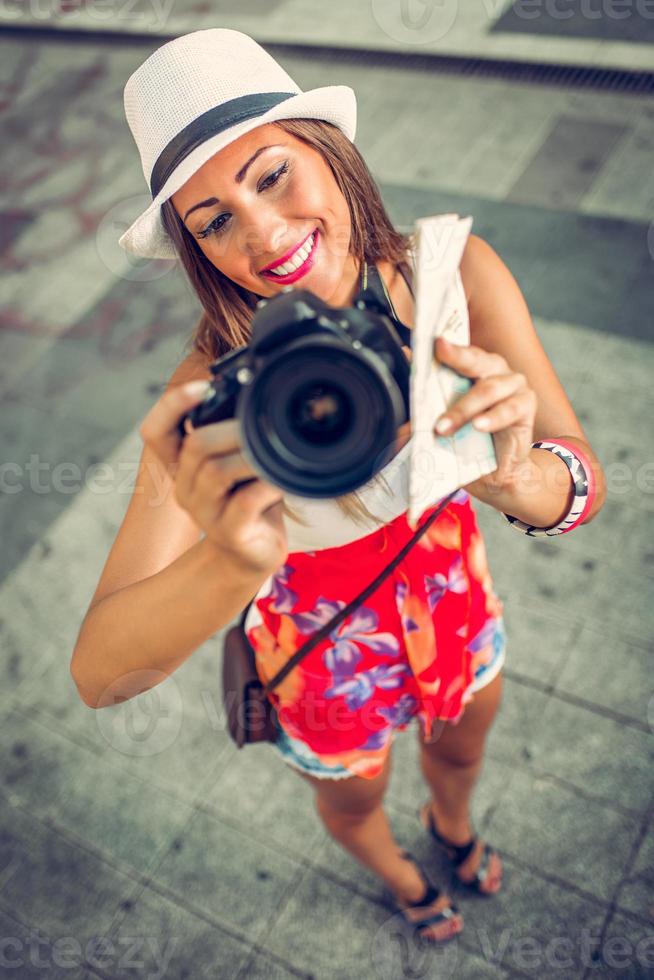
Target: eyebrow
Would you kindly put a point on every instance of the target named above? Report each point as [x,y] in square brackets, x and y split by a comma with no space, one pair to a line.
[239,178]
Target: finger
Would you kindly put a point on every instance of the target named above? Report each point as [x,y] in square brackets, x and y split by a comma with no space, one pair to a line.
[216,475]
[237,510]
[469,360]
[215,439]
[484,393]
[209,463]
[248,503]
[159,427]
[511,411]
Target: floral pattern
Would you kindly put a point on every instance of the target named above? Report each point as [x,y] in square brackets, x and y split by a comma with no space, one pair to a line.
[412,648]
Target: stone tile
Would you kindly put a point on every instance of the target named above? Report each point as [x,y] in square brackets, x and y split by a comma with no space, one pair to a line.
[625,186]
[561,834]
[238,878]
[610,673]
[578,21]
[167,736]
[256,789]
[264,968]
[129,343]
[349,935]
[623,54]
[626,950]
[19,352]
[610,761]
[534,650]
[55,778]
[45,462]
[637,891]
[546,937]
[516,729]
[53,884]
[607,406]
[619,535]
[582,592]
[566,164]
[158,937]
[585,283]
[613,360]
[408,789]
[627,465]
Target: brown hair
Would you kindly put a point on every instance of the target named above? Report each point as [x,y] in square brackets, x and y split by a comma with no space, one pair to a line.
[228,308]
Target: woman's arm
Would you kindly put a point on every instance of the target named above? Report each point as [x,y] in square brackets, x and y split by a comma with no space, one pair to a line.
[134,638]
[539,492]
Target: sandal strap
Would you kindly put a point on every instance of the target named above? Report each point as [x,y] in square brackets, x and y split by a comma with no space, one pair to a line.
[430,896]
[431,920]
[432,892]
[484,864]
[460,851]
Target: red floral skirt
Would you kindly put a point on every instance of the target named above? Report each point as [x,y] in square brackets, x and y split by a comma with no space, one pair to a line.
[412,648]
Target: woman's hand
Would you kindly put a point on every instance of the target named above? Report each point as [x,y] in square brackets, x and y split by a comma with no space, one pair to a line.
[500,401]
[246,523]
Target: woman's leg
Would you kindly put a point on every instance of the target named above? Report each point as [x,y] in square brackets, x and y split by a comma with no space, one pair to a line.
[451,766]
[351,809]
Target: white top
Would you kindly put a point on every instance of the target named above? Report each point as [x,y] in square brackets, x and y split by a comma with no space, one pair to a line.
[328,526]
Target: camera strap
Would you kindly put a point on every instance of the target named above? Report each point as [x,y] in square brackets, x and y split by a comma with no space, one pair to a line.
[371,279]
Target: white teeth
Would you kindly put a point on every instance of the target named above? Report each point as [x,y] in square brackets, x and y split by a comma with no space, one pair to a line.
[296,261]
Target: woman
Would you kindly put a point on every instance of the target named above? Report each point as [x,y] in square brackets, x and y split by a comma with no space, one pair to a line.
[256,185]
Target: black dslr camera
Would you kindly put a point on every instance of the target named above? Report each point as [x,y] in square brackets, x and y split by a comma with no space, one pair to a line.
[319,391]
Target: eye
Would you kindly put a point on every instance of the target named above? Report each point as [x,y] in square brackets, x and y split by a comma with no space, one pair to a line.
[217,225]
[274,177]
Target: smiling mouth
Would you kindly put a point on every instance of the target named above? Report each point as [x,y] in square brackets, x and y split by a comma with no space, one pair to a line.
[298,264]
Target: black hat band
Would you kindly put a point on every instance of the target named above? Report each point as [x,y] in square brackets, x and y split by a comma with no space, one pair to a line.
[210,123]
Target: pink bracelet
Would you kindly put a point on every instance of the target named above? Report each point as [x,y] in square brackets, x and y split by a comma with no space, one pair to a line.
[583,479]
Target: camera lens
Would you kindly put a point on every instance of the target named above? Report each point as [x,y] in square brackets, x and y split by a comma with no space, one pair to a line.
[319,417]
[320,412]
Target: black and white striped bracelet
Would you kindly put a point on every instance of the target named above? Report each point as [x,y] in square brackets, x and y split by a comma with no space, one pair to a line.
[584,487]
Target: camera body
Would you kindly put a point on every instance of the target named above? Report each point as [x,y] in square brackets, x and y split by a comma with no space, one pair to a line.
[320,392]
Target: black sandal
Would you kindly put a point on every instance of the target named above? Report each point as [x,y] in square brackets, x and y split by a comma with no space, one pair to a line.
[457,853]
[448,914]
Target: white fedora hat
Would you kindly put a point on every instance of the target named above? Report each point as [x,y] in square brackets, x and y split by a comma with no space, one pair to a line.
[195,95]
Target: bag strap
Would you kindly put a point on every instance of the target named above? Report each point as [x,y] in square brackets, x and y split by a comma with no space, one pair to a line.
[345,612]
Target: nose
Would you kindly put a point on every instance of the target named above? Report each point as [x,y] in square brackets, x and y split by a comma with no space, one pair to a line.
[264,234]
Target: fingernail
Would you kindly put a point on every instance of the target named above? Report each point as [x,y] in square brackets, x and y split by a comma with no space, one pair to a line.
[481,423]
[443,425]
[196,388]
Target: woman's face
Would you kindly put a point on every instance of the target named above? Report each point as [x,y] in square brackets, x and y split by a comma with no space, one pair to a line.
[265,198]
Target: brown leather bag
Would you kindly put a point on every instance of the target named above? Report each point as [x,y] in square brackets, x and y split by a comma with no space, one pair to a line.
[251,715]
[249,710]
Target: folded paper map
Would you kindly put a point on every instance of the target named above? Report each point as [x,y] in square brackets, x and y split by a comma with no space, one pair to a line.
[439,464]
